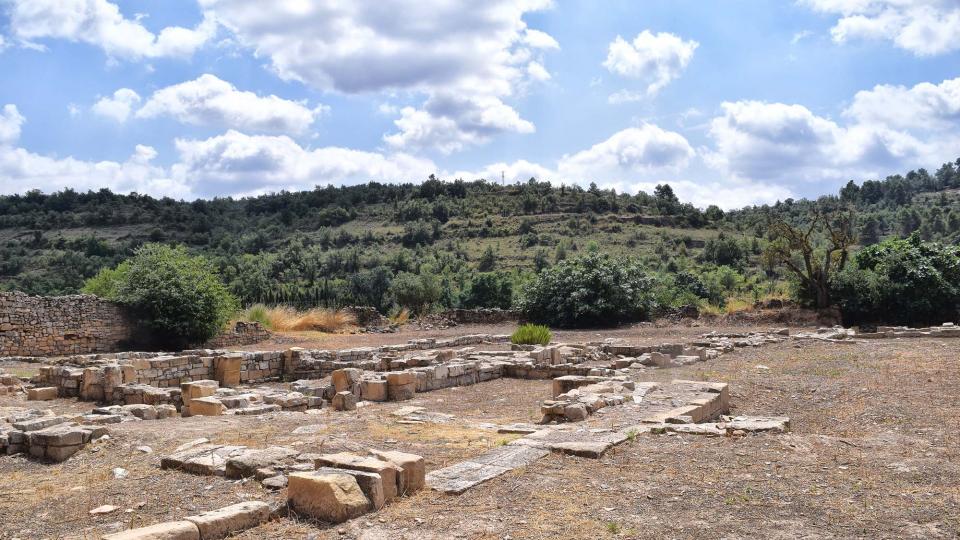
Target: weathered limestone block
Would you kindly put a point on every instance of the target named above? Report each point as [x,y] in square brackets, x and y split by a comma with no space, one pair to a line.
[198,389]
[371,484]
[328,497]
[171,530]
[389,473]
[225,521]
[401,385]
[42,394]
[227,370]
[346,380]
[206,406]
[412,469]
[344,401]
[373,390]
[247,463]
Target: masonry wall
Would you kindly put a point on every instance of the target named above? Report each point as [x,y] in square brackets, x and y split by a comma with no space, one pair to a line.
[60,325]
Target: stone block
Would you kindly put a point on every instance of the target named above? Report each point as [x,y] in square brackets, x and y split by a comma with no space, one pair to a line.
[346,380]
[171,530]
[371,484]
[198,389]
[247,463]
[344,401]
[373,390]
[206,406]
[389,473]
[226,370]
[412,469]
[42,394]
[334,498]
[225,521]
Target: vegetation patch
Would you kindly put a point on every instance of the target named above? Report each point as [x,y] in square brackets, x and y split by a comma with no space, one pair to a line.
[531,334]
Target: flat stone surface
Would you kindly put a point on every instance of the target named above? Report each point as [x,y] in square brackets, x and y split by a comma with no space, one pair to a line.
[171,530]
[223,522]
[458,478]
[582,442]
[511,457]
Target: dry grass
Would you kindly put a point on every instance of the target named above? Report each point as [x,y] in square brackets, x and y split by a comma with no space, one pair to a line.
[401,317]
[285,318]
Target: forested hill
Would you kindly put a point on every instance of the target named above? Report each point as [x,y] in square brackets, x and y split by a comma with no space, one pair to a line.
[348,244]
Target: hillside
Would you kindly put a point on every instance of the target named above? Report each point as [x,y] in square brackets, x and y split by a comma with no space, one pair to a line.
[334,246]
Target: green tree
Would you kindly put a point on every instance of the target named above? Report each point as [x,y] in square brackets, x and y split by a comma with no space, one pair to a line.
[593,290]
[175,295]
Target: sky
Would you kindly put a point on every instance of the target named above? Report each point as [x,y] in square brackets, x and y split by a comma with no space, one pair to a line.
[732,103]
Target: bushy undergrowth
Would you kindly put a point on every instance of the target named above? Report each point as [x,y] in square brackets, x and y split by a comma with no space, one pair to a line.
[900,281]
[593,290]
[531,334]
[178,297]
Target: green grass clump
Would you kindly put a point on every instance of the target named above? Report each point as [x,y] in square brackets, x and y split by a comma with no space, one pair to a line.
[531,334]
[258,313]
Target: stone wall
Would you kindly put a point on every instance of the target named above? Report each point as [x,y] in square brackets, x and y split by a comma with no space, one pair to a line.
[60,325]
[481,316]
[242,333]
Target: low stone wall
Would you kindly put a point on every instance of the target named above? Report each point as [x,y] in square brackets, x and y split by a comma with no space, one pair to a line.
[481,316]
[60,325]
[242,333]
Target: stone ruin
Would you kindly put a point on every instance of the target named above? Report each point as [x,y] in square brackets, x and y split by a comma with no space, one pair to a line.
[587,379]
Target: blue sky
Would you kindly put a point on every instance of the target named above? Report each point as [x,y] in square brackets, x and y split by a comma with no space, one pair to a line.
[733,103]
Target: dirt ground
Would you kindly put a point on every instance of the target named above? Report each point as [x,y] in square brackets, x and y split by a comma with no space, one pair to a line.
[874,452]
[639,334]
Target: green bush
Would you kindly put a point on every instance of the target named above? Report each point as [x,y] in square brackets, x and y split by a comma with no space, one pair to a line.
[593,290]
[531,334]
[177,297]
[416,292]
[900,282]
[488,290]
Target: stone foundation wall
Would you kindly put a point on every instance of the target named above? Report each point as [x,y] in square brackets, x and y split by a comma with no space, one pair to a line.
[60,325]
[242,333]
[481,316]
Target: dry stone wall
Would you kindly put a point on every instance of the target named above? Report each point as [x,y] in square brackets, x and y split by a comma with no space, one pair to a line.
[60,325]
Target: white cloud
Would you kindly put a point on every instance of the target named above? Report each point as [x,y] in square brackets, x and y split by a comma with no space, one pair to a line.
[210,101]
[237,163]
[228,164]
[537,72]
[100,23]
[629,153]
[923,27]
[118,106]
[800,36]
[891,129]
[925,106]
[21,169]
[3,43]
[450,122]
[10,122]
[632,160]
[653,59]
[481,52]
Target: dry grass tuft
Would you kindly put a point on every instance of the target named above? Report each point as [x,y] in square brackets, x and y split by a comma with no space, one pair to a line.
[285,318]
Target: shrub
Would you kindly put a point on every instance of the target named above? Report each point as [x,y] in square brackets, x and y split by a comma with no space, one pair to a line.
[531,334]
[489,290]
[900,281]
[415,292]
[593,290]
[178,297]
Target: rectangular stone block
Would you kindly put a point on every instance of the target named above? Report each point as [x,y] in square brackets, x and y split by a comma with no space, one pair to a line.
[333,498]
[171,530]
[225,521]
[387,471]
[373,390]
[412,469]
[42,394]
